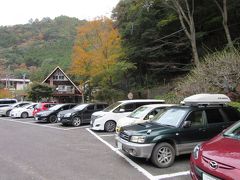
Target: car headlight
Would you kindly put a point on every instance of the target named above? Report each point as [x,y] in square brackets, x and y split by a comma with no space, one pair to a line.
[99,116]
[67,114]
[138,139]
[196,151]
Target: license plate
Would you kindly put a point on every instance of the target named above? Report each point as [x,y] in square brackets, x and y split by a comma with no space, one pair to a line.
[36,118]
[59,119]
[90,122]
[208,177]
[119,145]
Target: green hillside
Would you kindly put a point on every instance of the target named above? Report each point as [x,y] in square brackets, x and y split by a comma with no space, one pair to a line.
[36,48]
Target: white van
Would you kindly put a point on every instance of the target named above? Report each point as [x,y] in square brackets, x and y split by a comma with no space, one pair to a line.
[7,102]
[107,119]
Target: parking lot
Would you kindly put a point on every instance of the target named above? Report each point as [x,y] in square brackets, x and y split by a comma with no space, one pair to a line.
[33,150]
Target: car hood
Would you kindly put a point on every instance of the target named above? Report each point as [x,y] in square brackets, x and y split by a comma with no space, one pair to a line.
[125,121]
[144,128]
[99,113]
[44,112]
[223,150]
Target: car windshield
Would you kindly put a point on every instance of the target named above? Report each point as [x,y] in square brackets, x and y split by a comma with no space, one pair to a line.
[138,113]
[80,107]
[233,132]
[170,117]
[56,107]
[112,106]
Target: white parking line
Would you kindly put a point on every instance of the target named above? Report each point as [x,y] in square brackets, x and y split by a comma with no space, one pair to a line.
[164,176]
[31,123]
[81,127]
[135,165]
[139,168]
[106,135]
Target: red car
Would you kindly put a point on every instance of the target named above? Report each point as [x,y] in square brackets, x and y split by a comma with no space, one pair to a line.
[218,158]
[42,107]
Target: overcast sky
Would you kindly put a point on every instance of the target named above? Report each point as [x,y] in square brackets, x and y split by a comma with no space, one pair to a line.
[20,11]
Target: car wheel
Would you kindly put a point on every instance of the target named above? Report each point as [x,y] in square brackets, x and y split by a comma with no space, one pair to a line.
[8,113]
[76,121]
[24,115]
[52,119]
[64,124]
[163,155]
[110,126]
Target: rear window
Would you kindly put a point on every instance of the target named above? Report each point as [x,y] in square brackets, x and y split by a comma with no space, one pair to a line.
[213,116]
[232,114]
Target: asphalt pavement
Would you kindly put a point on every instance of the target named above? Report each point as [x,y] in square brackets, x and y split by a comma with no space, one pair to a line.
[41,151]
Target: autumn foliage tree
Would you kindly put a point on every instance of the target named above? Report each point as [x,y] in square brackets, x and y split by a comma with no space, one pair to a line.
[96,53]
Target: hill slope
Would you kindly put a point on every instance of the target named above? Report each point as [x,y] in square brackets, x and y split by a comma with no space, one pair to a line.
[36,48]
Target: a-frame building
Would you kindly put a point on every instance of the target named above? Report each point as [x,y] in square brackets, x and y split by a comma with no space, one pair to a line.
[65,90]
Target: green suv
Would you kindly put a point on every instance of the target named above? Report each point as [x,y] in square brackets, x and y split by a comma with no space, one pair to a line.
[176,131]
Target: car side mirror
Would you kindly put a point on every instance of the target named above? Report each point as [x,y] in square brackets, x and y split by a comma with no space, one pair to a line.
[121,110]
[187,124]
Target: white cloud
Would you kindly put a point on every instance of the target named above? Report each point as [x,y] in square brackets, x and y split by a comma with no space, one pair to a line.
[20,11]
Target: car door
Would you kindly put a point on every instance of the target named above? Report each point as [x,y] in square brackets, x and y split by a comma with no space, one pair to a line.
[193,133]
[87,112]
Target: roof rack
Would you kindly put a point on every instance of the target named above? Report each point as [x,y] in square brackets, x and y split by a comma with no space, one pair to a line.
[206,99]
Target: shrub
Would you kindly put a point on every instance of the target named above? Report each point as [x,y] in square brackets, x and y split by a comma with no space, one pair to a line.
[218,73]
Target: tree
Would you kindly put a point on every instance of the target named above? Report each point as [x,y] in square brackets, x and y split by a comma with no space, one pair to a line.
[96,52]
[5,93]
[185,14]
[224,13]
[39,91]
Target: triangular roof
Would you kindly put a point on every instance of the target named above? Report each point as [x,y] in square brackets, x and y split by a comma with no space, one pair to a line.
[58,68]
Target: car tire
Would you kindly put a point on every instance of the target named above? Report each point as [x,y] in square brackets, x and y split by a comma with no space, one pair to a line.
[64,124]
[8,113]
[76,121]
[163,155]
[24,115]
[110,126]
[52,119]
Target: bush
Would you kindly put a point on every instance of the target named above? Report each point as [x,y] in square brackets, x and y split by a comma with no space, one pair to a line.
[218,73]
[235,104]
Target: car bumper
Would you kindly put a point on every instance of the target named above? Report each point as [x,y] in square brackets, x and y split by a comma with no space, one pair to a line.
[41,119]
[66,120]
[96,126]
[15,115]
[134,149]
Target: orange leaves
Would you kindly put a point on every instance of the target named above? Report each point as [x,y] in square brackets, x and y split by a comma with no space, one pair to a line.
[5,93]
[96,48]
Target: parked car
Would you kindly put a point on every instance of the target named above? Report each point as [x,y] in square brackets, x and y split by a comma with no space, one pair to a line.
[142,114]
[23,112]
[7,102]
[50,115]
[42,107]
[107,119]
[80,114]
[178,129]
[5,111]
[218,158]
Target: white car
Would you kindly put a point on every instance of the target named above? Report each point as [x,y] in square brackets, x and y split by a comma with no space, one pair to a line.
[5,111]
[23,112]
[141,115]
[107,119]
